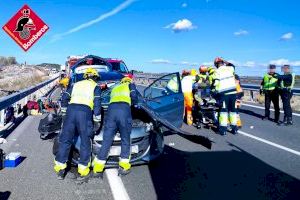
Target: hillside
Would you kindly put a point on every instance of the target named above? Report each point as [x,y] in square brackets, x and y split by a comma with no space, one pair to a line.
[15,77]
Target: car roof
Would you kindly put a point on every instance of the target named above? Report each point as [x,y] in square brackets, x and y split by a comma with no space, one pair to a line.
[114,60]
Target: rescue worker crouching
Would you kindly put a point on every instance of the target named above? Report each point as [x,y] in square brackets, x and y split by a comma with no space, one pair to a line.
[118,119]
[286,85]
[84,107]
[225,92]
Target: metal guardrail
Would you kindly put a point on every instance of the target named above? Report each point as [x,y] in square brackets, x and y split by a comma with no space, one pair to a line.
[22,95]
[149,78]
[251,87]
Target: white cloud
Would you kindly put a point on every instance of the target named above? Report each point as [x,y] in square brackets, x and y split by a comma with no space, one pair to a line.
[287,36]
[281,61]
[184,5]
[241,32]
[160,61]
[284,61]
[208,63]
[249,64]
[102,17]
[181,25]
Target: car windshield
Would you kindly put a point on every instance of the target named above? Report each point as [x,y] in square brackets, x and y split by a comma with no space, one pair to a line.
[79,71]
[119,66]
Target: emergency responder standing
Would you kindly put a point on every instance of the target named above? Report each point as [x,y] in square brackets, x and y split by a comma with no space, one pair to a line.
[118,119]
[239,95]
[187,89]
[269,86]
[84,106]
[286,84]
[225,93]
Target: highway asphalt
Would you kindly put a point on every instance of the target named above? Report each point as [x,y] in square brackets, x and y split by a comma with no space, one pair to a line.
[265,165]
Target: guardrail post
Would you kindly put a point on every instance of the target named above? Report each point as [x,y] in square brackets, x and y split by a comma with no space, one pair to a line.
[251,95]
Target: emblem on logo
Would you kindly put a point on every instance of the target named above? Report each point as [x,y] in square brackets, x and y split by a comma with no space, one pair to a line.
[25,27]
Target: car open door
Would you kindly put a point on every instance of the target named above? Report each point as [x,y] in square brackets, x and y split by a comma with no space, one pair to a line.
[164,102]
[164,97]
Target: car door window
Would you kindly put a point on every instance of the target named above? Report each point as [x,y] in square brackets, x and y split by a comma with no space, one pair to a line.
[167,85]
[123,68]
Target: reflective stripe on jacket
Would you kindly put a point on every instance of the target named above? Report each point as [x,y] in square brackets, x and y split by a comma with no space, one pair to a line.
[224,80]
[290,86]
[120,93]
[83,93]
[269,82]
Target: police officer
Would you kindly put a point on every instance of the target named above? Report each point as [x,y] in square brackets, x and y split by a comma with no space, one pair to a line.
[84,106]
[225,92]
[269,86]
[286,84]
[118,119]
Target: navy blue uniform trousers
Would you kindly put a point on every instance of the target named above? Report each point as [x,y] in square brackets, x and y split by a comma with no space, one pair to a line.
[118,119]
[79,119]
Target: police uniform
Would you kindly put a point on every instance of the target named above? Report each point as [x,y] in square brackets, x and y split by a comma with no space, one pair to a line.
[225,90]
[84,101]
[118,119]
[270,88]
[286,84]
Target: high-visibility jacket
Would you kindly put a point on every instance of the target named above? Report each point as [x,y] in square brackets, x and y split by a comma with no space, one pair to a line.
[269,82]
[289,85]
[83,93]
[120,93]
[187,83]
[224,80]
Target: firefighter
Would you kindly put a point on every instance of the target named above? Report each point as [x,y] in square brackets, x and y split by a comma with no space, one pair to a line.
[239,95]
[225,93]
[269,86]
[211,72]
[187,89]
[286,84]
[118,119]
[84,106]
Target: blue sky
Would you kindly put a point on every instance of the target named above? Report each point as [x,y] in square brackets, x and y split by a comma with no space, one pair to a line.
[164,35]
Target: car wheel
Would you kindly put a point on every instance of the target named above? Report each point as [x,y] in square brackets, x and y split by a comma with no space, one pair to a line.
[157,144]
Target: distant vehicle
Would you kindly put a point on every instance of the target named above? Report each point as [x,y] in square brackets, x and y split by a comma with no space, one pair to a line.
[71,60]
[119,66]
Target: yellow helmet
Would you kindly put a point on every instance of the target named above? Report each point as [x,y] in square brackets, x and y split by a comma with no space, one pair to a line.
[193,72]
[90,72]
[126,80]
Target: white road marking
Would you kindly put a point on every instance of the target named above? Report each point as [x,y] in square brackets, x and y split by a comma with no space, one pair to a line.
[270,143]
[262,108]
[116,185]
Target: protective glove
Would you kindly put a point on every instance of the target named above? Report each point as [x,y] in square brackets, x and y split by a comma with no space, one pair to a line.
[97,118]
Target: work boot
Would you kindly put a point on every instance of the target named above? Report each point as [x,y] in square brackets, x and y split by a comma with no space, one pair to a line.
[98,168]
[234,131]
[123,172]
[82,179]
[60,169]
[265,118]
[84,173]
[124,167]
[289,121]
[61,174]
